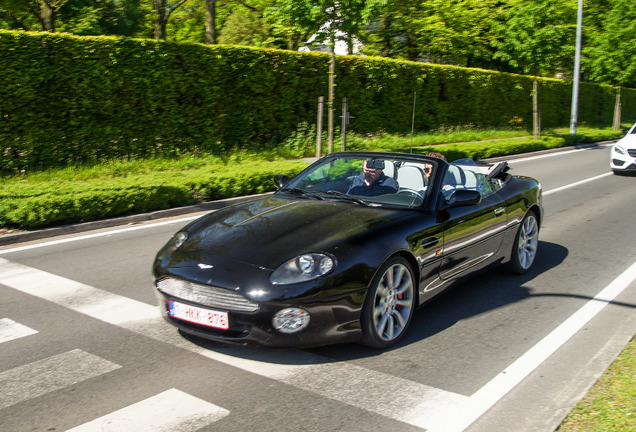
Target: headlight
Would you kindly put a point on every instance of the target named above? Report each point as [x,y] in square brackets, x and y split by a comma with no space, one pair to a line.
[290,320]
[175,243]
[303,268]
[618,149]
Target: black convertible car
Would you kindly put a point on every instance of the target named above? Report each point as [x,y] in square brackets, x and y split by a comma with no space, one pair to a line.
[346,250]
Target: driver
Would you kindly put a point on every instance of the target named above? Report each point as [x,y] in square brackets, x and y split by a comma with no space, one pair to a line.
[372,181]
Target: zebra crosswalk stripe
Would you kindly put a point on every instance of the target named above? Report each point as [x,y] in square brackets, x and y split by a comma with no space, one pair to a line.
[50,374]
[168,411]
[10,330]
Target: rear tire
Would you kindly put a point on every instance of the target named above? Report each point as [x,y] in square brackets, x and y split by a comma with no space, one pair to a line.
[524,249]
[389,304]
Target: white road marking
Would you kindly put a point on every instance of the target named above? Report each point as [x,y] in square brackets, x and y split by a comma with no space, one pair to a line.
[10,330]
[97,235]
[462,416]
[548,155]
[50,374]
[374,391]
[413,403]
[578,183]
[172,410]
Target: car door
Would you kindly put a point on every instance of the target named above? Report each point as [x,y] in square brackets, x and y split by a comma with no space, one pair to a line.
[472,234]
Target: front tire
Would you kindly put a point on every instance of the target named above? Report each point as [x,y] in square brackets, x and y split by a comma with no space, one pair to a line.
[524,249]
[389,304]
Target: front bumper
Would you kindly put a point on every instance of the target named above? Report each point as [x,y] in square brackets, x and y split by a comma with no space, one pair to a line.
[332,320]
[623,159]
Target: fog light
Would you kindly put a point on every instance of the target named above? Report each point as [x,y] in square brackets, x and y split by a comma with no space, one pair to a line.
[290,320]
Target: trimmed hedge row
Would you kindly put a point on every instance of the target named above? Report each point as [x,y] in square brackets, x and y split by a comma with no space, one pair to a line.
[55,203]
[67,99]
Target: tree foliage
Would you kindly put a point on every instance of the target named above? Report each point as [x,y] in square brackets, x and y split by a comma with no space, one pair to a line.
[611,51]
[523,36]
[537,37]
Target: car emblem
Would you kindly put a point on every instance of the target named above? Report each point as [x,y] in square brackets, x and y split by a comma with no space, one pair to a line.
[205,266]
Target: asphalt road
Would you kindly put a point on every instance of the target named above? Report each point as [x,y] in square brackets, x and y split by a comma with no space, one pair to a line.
[82,346]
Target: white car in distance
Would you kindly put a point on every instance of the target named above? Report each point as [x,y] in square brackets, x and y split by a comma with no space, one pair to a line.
[623,158]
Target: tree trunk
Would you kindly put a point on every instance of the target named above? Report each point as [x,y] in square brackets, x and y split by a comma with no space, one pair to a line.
[47,16]
[210,22]
[160,20]
[386,38]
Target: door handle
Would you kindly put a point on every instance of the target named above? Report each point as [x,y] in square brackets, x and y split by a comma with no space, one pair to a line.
[430,242]
[500,211]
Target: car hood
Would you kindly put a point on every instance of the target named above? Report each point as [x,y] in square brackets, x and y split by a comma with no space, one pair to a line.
[628,141]
[269,231]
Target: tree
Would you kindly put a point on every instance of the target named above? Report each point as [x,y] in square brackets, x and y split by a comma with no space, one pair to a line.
[243,27]
[611,46]
[391,30]
[293,22]
[106,17]
[453,32]
[14,15]
[20,13]
[457,32]
[210,21]
[163,10]
[537,37]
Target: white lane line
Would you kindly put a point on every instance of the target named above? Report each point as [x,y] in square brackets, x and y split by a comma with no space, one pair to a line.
[547,155]
[374,391]
[571,185]
[10,330]
[172,410]
[459,417]
[97,235]
[557,153]
[50,374]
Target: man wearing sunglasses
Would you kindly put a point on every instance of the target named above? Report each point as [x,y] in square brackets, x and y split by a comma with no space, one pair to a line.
[372,181]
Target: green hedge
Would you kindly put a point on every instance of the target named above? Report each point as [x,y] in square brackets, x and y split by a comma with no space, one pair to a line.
[35,204]
[67,99]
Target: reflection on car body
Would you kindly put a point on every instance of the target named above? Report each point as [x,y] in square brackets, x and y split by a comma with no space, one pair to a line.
[316,263]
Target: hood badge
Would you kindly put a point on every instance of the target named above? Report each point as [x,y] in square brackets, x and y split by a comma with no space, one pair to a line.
[205,266]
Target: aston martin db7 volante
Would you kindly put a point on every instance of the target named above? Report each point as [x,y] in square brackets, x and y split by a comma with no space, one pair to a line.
[346,250]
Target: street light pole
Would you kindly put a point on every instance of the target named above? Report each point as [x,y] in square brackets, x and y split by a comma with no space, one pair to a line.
[577,69]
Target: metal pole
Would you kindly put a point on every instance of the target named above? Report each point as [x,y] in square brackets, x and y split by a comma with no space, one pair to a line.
[413,120]
[332,72]
[577,69]
[345,121]
[321,105]
[536,131]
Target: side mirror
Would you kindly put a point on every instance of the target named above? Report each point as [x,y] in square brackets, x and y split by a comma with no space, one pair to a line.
[280,180]
[463,197]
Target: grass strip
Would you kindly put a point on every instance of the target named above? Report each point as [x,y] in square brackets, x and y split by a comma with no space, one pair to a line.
[610,405]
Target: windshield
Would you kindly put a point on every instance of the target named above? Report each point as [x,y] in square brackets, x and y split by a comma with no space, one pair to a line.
[366,180]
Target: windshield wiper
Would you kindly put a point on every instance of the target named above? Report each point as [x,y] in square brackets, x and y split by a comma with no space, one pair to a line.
[347,197]
[302,192]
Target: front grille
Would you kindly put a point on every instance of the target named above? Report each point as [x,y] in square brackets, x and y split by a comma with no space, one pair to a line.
[632,152]
[211,296]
